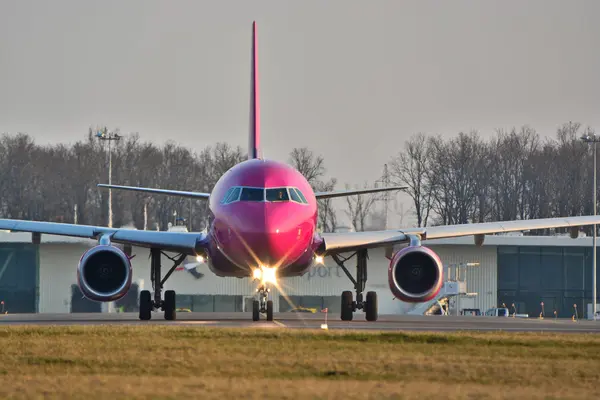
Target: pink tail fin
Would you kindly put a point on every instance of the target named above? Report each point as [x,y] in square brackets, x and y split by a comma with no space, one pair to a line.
[254,134]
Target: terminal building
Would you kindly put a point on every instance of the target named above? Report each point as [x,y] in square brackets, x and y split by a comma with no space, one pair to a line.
[515,271]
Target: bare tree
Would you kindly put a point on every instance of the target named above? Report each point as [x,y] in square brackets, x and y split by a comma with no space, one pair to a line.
[409,168]
[308,164]
[440,181]
[511,153]
[484,170]
[572,157]
[327,216]
[541,184]
[19,163]
[312,167]
[358,208]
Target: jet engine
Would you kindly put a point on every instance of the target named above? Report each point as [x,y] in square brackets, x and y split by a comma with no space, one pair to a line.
[104,273]
[415,274]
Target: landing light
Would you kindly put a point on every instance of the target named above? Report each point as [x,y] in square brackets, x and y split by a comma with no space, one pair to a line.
[269,275]
[319,259]
[265,274]
[200,259]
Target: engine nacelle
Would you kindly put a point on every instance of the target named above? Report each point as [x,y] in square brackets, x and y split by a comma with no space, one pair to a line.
[104,273]
[415,274]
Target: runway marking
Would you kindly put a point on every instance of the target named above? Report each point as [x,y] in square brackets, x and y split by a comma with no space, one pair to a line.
[197,322]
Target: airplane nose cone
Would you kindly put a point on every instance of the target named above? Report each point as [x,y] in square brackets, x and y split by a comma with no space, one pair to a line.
[274,237]
[269,243]
[277,247]
[286,234]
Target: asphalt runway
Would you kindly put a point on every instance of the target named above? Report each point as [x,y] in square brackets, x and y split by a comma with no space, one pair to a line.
[314,321]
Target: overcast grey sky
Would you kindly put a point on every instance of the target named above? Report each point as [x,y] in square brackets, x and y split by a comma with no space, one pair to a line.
[350,79]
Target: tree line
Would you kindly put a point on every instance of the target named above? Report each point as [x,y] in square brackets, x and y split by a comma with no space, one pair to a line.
[515,174]
[57,182]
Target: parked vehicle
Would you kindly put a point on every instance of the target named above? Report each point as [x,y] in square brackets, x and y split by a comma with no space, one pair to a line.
[497,312]
[471,311]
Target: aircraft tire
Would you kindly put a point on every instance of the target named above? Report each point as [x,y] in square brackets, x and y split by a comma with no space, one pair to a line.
[169,305]
[255,310]
[371,306]
[347,306]
[270,310]
[145,305]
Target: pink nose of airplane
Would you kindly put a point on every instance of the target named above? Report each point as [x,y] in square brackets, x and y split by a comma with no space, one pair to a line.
[272,235]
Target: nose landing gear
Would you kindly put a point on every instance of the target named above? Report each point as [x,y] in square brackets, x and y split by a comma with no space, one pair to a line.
[263,304]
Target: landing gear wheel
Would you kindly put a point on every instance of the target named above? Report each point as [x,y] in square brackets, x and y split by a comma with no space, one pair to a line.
[347,306]
[169,305]
[262,305]
[255,310]
[148,302]
[145,305]
[371,306]
[270,310]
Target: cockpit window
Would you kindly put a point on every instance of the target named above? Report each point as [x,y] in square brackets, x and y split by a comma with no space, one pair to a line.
[277,194]
[252,194]
[301,195]
[224,200]
[240,193]
[294,195]
[231,195]
[234,195]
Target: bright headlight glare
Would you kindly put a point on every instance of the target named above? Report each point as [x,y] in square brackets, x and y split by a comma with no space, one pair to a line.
[269,275]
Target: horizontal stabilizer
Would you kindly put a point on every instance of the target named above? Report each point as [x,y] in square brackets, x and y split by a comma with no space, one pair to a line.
[340,193]
[194,195]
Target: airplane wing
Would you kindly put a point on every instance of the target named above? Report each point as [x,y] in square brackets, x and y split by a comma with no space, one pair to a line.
[181,242]
[195,195]
[352,241]
[340,193]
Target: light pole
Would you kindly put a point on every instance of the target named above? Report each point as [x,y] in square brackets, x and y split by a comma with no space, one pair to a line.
[110,136]
[594,139]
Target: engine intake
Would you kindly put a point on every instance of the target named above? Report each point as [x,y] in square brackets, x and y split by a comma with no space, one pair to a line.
[415,274]
[104,273]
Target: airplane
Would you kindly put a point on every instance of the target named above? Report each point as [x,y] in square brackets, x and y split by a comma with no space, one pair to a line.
[263,226]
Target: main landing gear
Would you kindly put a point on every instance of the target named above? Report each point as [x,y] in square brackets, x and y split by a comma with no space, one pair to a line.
[369,305]
[147,304]
[262,305]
